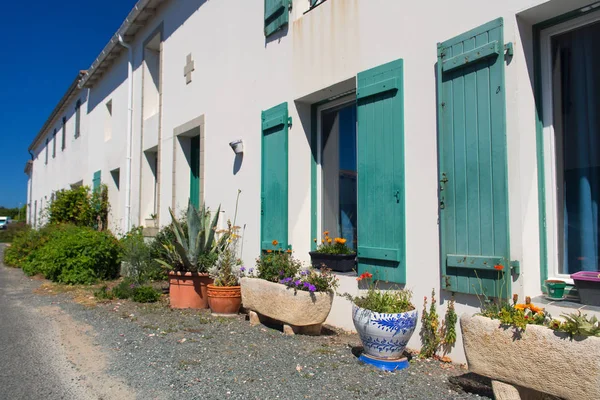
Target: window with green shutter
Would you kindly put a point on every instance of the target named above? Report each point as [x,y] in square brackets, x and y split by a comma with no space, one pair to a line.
[274,177]
[473,188]
[96,182]
[381,212]
[276,15]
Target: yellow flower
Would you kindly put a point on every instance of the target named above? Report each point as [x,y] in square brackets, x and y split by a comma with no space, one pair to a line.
[521,306]
[275,242]
[340,240]
[322,240]
[328,240]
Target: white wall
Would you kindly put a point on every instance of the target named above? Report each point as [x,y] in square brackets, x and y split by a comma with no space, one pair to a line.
[238,73]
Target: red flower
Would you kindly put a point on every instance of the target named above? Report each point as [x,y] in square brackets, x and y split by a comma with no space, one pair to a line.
[498,267]
[365,275]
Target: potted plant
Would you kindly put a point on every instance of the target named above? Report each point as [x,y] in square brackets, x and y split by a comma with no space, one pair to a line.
[556,288]
[520,344]
[190,256]
[333,254]
[224,294]
[282,291]
[588,286]
[152,222]
[384,320]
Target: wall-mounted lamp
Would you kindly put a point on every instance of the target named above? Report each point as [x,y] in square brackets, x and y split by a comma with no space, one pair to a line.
[237,146]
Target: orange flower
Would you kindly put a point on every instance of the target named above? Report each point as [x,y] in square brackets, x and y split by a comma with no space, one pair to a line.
[364,275]
[499,267]
[275,242]
[520,306]
[326,233]
[322,240]
[535,309]
[340,240]
[269,251]
[289,250]
[328,240]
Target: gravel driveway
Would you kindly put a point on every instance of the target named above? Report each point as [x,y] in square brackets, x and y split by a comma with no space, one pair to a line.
[160,353]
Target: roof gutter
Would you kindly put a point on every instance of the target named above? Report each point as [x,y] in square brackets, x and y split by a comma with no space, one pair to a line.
[133,15]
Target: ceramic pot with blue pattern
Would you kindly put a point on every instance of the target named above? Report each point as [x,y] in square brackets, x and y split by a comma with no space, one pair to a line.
[383,335]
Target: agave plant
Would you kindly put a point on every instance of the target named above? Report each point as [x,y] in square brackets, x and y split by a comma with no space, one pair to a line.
[199,247]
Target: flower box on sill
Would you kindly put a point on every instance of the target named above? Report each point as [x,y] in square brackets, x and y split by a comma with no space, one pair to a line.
[334,262]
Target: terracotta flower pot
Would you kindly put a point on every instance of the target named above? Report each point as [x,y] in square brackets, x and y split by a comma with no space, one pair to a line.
[188,289]
[224,300]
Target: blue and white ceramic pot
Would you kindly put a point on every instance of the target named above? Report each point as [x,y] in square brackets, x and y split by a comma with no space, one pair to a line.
[383,335]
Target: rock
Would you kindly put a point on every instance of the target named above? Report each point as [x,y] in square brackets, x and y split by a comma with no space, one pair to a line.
[283,304]
[538,358]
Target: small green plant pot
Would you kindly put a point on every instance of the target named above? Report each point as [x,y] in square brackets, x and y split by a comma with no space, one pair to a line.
[556,289]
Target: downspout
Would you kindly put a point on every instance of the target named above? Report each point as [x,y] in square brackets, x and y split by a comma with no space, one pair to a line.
[30,194]
[129,134]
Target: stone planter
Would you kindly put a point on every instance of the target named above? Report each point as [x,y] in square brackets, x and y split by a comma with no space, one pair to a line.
[335,262]
[224,300]
[301,312]
[151,223]
[384,336]
[188,289]
[538,358]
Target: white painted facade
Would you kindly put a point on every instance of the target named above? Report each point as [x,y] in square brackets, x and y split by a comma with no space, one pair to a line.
[238,73]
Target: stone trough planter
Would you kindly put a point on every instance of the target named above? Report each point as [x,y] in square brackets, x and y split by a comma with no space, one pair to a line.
[299,312]
[538,358]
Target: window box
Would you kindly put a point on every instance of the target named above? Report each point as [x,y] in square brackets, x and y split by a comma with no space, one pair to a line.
[334,262]
[588,286]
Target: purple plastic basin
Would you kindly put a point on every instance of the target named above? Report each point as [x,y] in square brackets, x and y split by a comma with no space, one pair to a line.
[590,276]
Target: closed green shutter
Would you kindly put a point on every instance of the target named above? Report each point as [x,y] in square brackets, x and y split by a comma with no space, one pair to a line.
[96,182]
[381,222]
[195,171]
[473,178]
[276,15]
[274,177]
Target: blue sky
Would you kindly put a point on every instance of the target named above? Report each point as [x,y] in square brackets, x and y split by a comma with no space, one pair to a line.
[46,44]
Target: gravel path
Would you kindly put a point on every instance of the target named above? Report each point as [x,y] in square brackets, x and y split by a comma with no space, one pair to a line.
[162,354]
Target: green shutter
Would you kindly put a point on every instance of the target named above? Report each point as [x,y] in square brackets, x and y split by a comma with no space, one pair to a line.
[96,181]
[381,219]
[195,171]
[276,15]
[473,179]
[274,177]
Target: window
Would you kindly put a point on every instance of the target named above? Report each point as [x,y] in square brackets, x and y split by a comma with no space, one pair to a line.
[77,118]
[47,141]
[64,133]
[108,121]
[314,3]
[338,178]
[54,144]
[571,101]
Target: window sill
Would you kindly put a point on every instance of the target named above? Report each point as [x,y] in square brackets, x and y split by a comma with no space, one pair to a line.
[556,308]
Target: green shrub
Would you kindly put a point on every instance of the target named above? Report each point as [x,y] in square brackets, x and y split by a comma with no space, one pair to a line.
[104,294]
[124,289]
[139,257]
[75,255]
[145,294]
[12,231]
[80,206]
[24,244]
[276,265]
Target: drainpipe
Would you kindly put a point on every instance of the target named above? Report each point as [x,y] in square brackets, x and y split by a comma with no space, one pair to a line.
[129,134]
[30,196]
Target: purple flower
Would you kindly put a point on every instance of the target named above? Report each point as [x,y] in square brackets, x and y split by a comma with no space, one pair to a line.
[311,288]
[281,273]
[251,270]
[298,282]
[306,284]
[242,269]
[304,273]
[285,281]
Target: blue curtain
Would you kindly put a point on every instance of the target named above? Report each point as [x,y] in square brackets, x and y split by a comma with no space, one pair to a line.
[579,62]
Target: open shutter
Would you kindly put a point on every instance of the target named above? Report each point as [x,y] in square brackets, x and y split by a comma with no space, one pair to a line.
[96,181]
[473,178]
[195,171]
[381,222]
[276,15]
[274,177]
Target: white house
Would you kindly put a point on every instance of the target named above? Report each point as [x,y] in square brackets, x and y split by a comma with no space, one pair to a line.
[440,138]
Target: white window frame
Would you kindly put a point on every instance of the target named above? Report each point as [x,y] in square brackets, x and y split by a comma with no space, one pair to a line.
[345,100]
[549,145]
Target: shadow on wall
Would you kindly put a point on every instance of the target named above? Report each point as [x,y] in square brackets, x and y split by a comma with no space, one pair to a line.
[178,15]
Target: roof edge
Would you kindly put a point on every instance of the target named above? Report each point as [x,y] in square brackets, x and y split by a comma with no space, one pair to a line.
[72,89]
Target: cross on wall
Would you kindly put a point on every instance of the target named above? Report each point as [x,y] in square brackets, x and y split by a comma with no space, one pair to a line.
[189,67]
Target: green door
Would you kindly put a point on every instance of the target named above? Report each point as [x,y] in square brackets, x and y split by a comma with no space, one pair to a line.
[473,189]
[195,171]
[380,115]
[274,178]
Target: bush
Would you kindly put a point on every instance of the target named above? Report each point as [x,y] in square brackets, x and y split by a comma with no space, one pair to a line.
[145,294]
[124,289]
[139,257]
[276,265]
[79,206]
[75,255]
[12,231]
[24,244]
[104,294]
